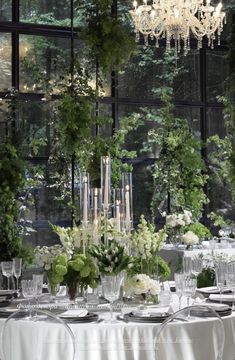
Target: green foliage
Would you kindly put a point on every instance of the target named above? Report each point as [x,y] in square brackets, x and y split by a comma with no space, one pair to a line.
[198,229]
[178,172]
[11,181]
[218,220]
[206,278]
[153,266]
[82,270]
[111,259]
[106,37]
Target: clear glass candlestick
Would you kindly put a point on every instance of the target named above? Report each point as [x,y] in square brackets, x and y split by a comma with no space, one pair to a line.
[128,200]
[105,181]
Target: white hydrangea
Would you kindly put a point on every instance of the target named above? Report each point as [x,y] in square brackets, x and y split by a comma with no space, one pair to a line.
[182,219]
[44,256]
[189,238]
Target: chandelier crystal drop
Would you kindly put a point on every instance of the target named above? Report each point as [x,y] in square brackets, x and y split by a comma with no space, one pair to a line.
[176,20]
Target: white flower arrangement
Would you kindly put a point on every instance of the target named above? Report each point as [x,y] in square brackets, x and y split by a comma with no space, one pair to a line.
[189,238]
[175,220]
[145,241]
[45,255]
[141,284]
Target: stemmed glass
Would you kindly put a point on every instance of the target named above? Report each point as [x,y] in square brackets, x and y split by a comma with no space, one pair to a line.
[17,264]
[179,285]
[221,271]
[230,282]
[29,289]
[187,264]
[7,270]
[196,266]
[111,289]
[190,285]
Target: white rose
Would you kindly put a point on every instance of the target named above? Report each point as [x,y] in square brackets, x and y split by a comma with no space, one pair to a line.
[189,238]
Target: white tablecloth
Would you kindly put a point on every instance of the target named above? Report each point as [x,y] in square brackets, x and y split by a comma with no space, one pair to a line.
[121,341]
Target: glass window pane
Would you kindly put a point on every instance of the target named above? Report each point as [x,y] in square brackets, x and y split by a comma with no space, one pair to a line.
[135,139]
[192,115]
[5,10]
[217,72]
[149,70]
[55,12]
[42,59]
[142,179]
[187,84]
[215,122]
[5,61]
[34,123]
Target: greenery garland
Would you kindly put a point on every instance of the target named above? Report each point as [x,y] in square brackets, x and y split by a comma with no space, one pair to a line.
[107,39]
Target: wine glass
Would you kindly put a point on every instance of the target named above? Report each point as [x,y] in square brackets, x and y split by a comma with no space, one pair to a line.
[111,288]
[179,285]
[189,286]
[196,266]
[7,270]
[230,281]
[221,271]
[17,264]
[29,289]
[187,264]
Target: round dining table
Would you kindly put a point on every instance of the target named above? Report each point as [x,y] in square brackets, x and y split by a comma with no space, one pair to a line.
[118,341]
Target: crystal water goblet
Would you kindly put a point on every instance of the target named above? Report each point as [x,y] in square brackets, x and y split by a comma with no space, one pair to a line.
[221,274]
[111,288]
[38,279]
[179,285]
[17,266]
[230,281]
[196,266]
[189,287]
[7,270]
[29,289]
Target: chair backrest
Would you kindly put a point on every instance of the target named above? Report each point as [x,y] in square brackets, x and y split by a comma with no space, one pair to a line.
[32,334]
[193,333]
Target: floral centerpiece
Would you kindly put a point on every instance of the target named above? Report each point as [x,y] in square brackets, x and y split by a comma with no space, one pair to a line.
[182,228]
[145,244]
[54,261]
[111,259]
[67,262]
[142,285]
[81,272]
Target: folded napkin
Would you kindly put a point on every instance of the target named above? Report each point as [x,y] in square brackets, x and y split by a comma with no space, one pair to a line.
[223,297]
[214,306]
[151,311]
[74,313]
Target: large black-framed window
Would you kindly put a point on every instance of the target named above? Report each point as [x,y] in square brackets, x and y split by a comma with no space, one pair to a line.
[195,95]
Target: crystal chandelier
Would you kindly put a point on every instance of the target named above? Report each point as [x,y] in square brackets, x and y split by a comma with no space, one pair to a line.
[176,20]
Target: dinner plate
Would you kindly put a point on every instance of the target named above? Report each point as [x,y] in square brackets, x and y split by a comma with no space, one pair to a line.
[224,298]
[207,291]
[207,313]
[89,317]
[6,312]
[4,303]
[151,318]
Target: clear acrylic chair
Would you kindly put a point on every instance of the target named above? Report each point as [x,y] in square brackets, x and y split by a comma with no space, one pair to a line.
[32,334]
[193,333]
